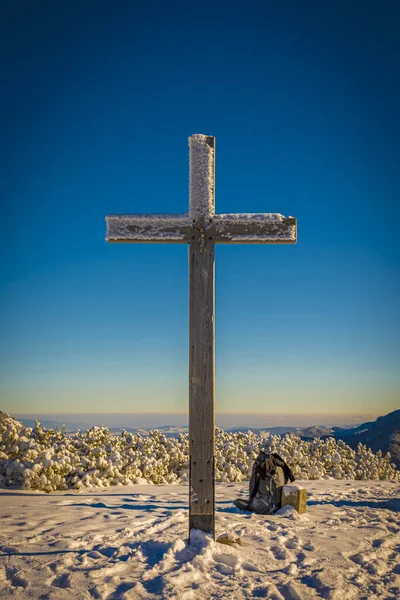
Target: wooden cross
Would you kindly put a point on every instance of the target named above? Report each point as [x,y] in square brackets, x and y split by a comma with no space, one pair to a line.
[201,228]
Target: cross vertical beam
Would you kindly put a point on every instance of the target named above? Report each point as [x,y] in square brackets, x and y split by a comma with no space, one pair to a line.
[201,229]
[201,386]
[201,339]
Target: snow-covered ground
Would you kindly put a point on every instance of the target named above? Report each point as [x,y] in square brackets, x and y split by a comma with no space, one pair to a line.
[130,542]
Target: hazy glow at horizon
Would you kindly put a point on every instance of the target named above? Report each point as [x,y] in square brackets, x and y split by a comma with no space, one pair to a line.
[344,399]
[147,420]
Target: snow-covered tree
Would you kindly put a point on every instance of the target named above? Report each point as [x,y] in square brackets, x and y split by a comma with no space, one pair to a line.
[49,460]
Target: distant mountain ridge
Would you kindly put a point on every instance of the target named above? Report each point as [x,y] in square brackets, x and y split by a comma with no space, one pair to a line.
[315,431]
[382,434]
[169,430]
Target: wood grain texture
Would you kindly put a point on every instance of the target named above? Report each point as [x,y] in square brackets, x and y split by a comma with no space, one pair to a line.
[201,385]
[148,228]
[251,230]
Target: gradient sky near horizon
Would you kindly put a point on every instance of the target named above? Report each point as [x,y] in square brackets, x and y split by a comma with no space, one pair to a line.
[98,101]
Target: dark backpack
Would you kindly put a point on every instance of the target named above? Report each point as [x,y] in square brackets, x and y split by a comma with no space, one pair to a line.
[268,476]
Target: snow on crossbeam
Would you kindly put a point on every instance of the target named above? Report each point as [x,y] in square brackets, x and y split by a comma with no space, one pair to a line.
[171,228]
[245,228]
[202,177]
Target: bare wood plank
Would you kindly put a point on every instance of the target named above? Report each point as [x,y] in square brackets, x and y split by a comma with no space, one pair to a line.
[173,228]
[253,229]
[201,385]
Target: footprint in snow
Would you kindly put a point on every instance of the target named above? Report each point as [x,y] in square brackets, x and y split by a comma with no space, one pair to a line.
[309,547]
[280,553]
[62,581]
[293,543]
[94,554]
[379,542]
[8,549]
[15,579]
[301,556]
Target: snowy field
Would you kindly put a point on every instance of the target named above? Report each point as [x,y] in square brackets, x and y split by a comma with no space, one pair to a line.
[130,542]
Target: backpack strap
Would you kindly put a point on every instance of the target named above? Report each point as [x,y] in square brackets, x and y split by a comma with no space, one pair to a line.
[259,473]
[287,471]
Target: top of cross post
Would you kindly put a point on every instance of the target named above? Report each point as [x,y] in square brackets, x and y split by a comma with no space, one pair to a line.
[237,228]
[202,179]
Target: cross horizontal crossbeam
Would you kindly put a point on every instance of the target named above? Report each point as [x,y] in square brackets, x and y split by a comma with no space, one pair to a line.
[237,228]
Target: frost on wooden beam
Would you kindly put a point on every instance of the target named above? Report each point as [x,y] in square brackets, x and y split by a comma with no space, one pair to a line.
[240,228]
[248,228]
[201,186]
[171,228]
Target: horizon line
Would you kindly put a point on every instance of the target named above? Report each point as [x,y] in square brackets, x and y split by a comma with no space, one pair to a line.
[294,414]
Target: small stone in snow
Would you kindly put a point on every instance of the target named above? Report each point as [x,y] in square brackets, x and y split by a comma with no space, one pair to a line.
[229,539]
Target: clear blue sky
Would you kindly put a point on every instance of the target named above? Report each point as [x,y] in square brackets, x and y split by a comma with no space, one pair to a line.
[98,101]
